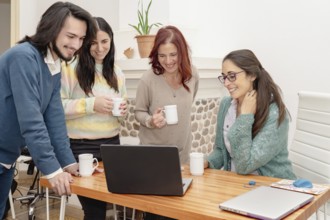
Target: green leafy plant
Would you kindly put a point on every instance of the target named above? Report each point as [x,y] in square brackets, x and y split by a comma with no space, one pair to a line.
[143,27]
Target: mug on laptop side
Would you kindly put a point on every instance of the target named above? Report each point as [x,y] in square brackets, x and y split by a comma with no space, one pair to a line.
[196,163]
[86,164]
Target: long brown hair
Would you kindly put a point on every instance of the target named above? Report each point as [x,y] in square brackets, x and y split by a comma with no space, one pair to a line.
[85,69]
[268,91]
[171,34]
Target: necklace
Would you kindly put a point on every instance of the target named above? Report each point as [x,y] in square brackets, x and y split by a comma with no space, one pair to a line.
[173,92]
[171,84]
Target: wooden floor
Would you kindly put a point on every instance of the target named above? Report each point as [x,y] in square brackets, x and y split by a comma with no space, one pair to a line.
[21,207]
[71,212]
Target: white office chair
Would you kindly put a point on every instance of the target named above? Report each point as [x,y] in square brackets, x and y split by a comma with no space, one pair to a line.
[310,149]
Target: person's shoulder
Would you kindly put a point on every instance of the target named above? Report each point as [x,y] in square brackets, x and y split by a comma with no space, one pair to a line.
[273,109]
[118,71]
[23,49]
[274,112]
[72,64]
[194,72]
[225,102]
[148,75]
[69,68]
[226,99]
[22,54]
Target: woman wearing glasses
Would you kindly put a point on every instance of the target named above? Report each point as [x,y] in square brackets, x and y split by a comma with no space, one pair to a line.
[252,126]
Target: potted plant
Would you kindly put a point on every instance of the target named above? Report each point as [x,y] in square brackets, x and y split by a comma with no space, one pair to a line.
[144,39]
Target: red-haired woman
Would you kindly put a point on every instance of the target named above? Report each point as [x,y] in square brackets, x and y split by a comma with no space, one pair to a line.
[172,80]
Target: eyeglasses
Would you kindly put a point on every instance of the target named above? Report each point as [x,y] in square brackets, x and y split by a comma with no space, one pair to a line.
[231,77]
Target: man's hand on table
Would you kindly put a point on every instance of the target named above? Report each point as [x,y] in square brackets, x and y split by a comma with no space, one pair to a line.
[61,183]
[73,169]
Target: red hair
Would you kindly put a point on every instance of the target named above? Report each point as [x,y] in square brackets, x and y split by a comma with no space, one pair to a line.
[171,34]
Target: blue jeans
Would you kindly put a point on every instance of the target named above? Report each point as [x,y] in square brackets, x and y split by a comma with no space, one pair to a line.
[6,178]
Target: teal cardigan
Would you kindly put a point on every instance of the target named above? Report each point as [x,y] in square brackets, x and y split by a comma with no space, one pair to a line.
[266,153]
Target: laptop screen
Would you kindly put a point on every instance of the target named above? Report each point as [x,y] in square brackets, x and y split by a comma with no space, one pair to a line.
[142,169]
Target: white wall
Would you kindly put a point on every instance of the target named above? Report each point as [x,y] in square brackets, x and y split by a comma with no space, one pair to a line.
[118,13]
[128,12]
[291,38]
[28,17]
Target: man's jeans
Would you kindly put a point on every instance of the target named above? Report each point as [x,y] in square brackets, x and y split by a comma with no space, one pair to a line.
[6,178]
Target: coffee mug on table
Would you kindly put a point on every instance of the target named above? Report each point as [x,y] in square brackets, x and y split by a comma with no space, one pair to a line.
[171,114]
[86,164]
[116,111]
[196,163]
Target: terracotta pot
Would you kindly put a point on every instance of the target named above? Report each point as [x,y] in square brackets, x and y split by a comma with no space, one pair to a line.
[145,44]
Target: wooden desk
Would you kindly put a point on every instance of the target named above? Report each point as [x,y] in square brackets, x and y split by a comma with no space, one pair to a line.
[201,201]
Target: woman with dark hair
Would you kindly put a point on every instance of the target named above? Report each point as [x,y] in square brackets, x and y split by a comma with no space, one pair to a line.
[89,85]
[171,81]
[253,123]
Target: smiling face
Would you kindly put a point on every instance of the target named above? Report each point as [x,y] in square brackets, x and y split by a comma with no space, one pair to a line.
[100,46]
[243,83]
[70,39]
[168,57]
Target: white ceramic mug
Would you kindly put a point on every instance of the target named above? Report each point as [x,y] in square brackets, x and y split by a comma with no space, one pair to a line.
[116,105]
[196,163]
[171,114]
[86,164]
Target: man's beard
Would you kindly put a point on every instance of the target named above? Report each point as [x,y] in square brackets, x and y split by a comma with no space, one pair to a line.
[59,54]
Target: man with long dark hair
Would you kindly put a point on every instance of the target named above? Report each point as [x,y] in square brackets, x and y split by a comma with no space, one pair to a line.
[31,112]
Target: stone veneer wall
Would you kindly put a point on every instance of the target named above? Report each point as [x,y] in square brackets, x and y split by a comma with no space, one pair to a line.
[203,118]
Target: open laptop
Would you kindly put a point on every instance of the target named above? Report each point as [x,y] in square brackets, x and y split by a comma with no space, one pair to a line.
[143,169]
[267,203]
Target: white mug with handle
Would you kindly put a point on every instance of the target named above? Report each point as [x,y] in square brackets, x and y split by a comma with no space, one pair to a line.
[171,114]
[86,164]
[116,111]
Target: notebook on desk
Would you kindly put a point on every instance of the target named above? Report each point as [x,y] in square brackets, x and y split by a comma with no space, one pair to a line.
[143,169]
[267,203]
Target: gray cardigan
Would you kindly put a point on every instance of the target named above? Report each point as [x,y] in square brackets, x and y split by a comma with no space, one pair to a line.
[266,153]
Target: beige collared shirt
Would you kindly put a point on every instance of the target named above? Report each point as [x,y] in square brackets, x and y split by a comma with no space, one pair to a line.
[54,66]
